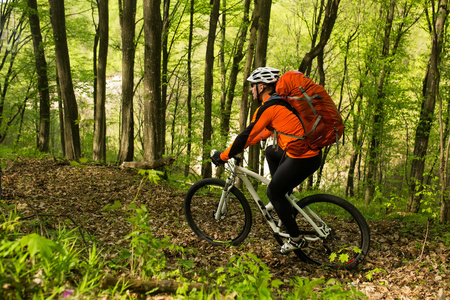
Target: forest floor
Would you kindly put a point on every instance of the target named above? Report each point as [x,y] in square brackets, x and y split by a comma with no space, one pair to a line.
[407,260]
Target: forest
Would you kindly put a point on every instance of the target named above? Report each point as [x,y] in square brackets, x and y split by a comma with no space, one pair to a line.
[99,83]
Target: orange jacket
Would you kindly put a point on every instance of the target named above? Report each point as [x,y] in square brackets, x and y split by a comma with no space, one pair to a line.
[273,114]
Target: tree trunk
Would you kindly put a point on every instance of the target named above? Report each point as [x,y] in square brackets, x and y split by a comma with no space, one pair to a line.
[175,114]
[224,110]
[244,111]
[229,94]
[358,141]
[71,128]
[99,147]
[61,117]
[209,82]
[128,32]
[331,11]
[238,55]
[12,44]
[153,106]
[378,111]
[148,164]
[430,87]
[165,61]
[317,51]
[42,79]
[444,215]
[265,7]
[189,96]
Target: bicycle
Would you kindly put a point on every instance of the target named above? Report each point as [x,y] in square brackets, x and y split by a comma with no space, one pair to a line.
[336,232]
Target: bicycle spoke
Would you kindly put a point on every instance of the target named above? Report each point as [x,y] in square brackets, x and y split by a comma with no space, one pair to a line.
[201,206]
[347,241]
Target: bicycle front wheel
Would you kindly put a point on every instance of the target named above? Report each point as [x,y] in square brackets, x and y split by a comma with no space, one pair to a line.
[200,208]
[349,236]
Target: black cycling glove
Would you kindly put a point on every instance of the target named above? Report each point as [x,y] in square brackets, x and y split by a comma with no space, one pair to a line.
[216,159]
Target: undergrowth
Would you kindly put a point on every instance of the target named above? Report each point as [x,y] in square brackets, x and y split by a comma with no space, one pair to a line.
[61,266]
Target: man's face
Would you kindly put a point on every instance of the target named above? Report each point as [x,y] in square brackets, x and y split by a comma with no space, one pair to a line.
[256,89]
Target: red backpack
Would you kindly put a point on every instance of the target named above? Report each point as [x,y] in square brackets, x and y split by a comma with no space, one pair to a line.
[319,116]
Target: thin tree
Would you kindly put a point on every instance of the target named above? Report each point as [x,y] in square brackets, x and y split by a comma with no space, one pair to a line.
[320,36]
[128,31]
[444,214]
[265,8]
[229,86]
[208,88]
[238,55]
[378,109]
[71,128]
[245,105]
[43,140]
[99,147]
[436,26]
[12,41]
[189,95]
[154,119]
[330,15]
[391,42]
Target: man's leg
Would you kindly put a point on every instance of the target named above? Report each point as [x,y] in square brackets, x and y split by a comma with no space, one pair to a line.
[288,175]
[274,155]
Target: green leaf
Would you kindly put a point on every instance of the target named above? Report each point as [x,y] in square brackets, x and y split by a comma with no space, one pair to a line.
[356,250]
[117,204]
[38,244]
[332,256]
[343,258]
[276,283]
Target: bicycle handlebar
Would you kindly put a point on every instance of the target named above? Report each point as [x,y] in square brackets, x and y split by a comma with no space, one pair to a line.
[217,163]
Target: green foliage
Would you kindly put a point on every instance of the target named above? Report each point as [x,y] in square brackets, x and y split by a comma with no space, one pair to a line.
[371,273]
[430,194]
[16,152]
[151,175]
[319,289]
[342,258]
[353,62]
[247,277]
[146,256]
[32,265]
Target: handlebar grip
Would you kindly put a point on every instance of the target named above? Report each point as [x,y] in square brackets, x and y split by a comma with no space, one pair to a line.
[214,160]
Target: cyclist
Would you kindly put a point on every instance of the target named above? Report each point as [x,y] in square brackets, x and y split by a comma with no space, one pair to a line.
[290,162]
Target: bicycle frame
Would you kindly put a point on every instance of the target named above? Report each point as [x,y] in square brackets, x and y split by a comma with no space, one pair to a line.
[237,171]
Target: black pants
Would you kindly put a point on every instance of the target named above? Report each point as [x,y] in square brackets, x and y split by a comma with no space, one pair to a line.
[287,173]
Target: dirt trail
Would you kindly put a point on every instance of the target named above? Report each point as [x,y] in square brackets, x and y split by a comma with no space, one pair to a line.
[396,265]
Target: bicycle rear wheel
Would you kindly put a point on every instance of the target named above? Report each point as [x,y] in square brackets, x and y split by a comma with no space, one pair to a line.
[200,206]
[349,239]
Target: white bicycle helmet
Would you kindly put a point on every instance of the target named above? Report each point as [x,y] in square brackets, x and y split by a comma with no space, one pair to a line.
[265,75]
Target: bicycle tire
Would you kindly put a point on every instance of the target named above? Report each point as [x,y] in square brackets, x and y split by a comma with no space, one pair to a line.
[349,241]
[200,204]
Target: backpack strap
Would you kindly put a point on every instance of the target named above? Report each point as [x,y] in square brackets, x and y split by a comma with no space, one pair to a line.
[311,105]
[278,100]
[307,98]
